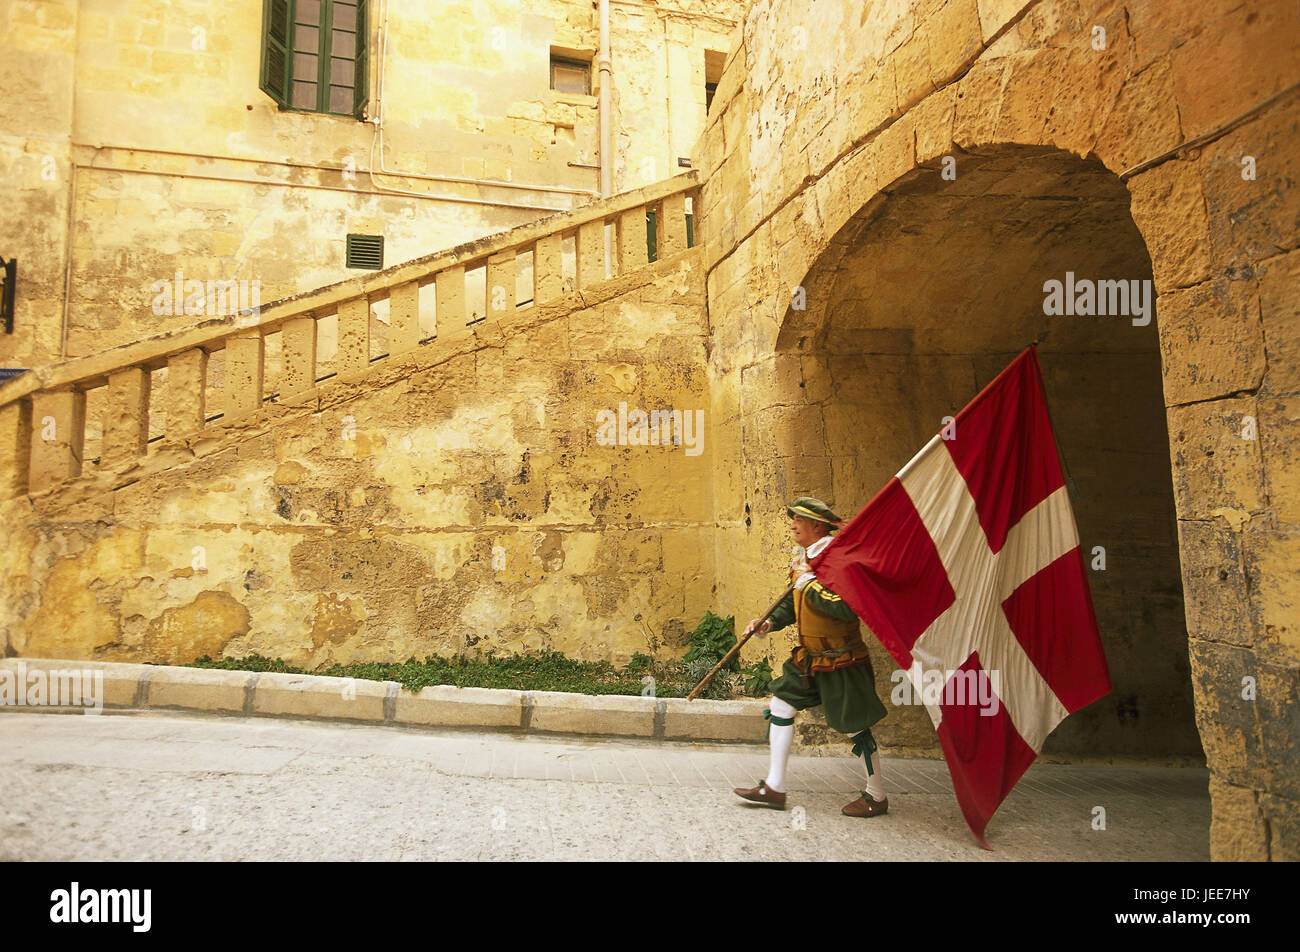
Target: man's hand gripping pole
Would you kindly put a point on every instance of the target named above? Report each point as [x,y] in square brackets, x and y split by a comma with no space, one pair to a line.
[744,638]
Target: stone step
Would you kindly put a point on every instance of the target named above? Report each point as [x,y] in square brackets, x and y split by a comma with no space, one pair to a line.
[112,685]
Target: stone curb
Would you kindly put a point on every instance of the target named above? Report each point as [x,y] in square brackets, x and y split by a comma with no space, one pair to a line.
[164,687]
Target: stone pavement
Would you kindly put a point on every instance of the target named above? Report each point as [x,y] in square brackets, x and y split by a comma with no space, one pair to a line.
[172,786]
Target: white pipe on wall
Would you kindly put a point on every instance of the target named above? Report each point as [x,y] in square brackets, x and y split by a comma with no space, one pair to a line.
[606,124]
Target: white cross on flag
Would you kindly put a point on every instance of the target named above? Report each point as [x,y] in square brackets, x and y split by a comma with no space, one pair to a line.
[968,564]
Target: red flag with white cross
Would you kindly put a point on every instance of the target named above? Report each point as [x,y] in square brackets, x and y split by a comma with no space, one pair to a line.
[967,566]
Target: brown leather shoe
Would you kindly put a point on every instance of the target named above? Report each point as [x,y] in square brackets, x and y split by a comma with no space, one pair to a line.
[865,806]
[761,794]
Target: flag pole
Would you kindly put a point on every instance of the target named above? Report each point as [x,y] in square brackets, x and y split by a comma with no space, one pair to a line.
[907,467]
[735,648]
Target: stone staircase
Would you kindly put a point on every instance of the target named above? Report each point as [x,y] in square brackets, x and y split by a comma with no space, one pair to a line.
[43,413]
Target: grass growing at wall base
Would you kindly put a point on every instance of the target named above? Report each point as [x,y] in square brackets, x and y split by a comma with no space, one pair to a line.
[550,671]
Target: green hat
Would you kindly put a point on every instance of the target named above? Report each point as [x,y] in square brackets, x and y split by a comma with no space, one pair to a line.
[814,509]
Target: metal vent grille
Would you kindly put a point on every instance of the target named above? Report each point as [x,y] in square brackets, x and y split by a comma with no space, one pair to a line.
[366,251]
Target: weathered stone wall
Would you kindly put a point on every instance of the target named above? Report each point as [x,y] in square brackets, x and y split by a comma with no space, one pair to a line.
[1153,139]
[148,118]
[825,111]
[461,499]
[920,302]
[37,66]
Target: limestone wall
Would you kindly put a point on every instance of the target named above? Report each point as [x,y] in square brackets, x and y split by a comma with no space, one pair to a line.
[462,499]
[37,68]
[826,112]
[148,119]
[889,184]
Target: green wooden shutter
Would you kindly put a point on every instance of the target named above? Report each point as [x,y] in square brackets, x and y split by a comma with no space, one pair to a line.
[359,91]
[277,15]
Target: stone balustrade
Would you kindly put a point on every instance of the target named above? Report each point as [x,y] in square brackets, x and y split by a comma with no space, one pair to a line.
[43,412]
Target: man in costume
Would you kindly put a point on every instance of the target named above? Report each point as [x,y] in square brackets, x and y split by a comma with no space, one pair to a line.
[830,666]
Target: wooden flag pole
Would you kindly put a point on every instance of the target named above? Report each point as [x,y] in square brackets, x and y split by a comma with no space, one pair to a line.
[732,653]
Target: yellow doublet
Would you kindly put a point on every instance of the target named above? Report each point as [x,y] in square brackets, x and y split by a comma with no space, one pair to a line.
[824,642]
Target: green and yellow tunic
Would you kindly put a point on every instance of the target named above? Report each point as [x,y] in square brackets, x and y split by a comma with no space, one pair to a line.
[831,665]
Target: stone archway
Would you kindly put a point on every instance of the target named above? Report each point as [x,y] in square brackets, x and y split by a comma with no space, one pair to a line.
[822,114]
[921,299]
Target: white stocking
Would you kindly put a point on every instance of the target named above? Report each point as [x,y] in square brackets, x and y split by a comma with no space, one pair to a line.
[875,788]
[782,736]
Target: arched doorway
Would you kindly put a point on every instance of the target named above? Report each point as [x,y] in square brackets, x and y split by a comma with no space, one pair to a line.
[930,290]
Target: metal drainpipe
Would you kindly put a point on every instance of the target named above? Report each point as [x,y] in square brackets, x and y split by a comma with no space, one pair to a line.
[606,125]
[70,226]
[71,221]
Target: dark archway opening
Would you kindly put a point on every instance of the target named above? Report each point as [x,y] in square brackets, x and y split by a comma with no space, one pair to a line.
[920,300]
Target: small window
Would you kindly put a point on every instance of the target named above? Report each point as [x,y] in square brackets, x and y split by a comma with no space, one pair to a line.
[713,63]
[366,251]
[314,55]
[570,76]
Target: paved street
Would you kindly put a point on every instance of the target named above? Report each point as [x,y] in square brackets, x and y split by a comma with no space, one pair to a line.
[161,786]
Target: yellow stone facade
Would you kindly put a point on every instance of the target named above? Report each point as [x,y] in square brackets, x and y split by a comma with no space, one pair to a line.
[882,190]
[888,188]
[138,144]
